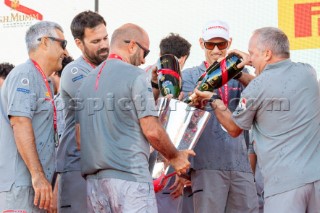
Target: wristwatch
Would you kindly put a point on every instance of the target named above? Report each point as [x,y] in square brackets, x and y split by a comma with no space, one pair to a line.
[214,97]
[154,85]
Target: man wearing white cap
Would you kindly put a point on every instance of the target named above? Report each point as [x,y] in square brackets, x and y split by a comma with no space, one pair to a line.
[222,180]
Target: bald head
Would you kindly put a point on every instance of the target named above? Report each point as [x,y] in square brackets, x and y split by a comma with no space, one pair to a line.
[129,32]
[131,42]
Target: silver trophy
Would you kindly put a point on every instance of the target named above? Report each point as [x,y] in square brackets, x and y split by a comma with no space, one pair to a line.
[184,125]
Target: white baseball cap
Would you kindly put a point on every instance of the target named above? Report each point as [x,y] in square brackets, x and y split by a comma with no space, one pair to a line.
[215,29]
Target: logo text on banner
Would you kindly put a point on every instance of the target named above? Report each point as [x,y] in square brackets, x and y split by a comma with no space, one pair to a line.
[20,15]
[300,20]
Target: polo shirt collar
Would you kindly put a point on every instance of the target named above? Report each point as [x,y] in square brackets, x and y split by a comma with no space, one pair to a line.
[279,64]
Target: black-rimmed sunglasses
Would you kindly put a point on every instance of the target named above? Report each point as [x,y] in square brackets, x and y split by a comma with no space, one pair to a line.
[63,43]
[221,45]
[145,50]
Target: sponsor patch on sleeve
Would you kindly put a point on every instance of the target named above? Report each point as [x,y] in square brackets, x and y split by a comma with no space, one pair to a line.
[242,104]
[23,90]
[77,78]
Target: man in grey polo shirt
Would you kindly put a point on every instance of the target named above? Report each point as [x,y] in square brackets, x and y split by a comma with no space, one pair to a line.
[90,34]
[221,177]
[117,118]
[27,147]
[282,104]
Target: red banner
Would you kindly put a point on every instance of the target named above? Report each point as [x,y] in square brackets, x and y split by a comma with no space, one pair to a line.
[14,4]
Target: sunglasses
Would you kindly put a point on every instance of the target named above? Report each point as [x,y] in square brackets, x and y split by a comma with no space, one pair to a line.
[145,50]
[63,43]
[211,45]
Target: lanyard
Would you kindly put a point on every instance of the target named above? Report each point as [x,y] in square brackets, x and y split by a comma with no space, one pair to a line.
[48,93]
[114,56]
[224,96]
[111,56]
[88,62]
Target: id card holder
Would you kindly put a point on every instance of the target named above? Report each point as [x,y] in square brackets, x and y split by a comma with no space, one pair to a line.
[56,139]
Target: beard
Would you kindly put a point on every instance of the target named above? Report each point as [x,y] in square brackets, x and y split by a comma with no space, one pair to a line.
[96,58]
[135,59]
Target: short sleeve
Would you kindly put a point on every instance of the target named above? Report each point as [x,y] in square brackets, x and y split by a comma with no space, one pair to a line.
[76,113]
[245,112]
[188,83]
[142,96]
[71,79]
[21,95]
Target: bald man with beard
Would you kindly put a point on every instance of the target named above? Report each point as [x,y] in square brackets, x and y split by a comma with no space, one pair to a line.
[115,139]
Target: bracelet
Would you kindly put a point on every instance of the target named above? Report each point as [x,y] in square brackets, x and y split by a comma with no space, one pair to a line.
[154,85]
[238,76]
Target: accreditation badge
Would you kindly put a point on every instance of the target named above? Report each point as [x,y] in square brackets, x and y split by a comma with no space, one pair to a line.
[56,139]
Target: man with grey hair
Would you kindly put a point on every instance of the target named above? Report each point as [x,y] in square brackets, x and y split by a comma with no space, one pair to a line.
[282,104]
[28,123]
[114,154]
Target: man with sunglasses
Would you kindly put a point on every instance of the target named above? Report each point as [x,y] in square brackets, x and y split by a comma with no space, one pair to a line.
[28,123]
[115,153]
[90,35]
[221,177]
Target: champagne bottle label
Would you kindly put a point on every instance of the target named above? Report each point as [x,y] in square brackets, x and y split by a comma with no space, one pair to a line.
[219,74]
[216,73]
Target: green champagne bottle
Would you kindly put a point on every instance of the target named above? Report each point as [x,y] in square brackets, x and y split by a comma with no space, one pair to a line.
[169,75]
[218,74]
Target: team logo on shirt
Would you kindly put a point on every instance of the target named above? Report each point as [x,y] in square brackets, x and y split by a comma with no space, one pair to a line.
[74,70]
[25,81]
[242,104]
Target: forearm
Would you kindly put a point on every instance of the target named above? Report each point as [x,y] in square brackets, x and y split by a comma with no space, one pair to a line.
[154,83]
[163,145]
[253,161]
[78,136]
[245,78]
[224,116]
[156,93]
[157,137]
[25,142]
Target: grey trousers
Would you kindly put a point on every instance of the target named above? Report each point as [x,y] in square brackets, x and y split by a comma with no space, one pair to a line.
[72,192]
[217,191]
[305,199]
[109,195]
